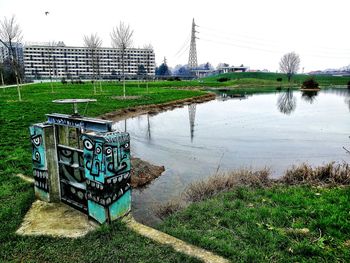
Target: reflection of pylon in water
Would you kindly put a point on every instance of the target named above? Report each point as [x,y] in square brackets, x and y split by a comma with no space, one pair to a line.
[148,128]
[192,116]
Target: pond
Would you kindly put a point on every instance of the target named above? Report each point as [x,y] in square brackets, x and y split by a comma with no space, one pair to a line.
[274,130]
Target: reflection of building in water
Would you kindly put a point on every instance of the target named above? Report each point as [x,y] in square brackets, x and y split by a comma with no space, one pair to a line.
[192,117]
[340,92]
[226,96]
[286,102]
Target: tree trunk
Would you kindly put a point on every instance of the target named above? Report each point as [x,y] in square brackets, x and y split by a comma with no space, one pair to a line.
[123,73]
[93,71]
[18,87]
[2,80]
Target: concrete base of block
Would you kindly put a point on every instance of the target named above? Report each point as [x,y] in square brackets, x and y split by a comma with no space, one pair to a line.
[55,219]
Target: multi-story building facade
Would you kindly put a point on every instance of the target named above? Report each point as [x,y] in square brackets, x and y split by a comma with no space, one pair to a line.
[60,61]
[17,53]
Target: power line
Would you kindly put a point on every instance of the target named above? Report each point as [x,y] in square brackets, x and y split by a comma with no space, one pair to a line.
[269,42]
[269,50]
[184,44]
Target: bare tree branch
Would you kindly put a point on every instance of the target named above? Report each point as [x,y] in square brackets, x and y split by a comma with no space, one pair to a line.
[122,38]
[11,35]
[289,64]
[93,43]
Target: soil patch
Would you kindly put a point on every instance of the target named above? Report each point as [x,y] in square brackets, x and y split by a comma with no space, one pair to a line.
[143,172]
[154,108]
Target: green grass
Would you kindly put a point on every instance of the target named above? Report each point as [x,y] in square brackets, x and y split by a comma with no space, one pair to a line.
[110,244]
[243,225]
[264,225]
[246,78]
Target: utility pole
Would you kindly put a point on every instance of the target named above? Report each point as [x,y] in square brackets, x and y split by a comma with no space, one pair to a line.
[192,59]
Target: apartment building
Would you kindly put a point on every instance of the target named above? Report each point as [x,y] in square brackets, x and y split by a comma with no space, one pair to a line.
[59,61]
[17,52]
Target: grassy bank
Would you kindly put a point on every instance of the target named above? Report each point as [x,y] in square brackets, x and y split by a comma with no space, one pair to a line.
[250,80]
[246,78]
[109,244]
[247,217]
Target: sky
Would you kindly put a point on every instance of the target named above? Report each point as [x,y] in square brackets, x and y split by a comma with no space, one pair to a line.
[255,33]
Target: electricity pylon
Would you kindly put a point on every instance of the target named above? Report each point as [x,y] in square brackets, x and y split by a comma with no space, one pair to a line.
[192,59]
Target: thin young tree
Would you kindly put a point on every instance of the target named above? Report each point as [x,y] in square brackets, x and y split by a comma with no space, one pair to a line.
[290,64]
[93,43]
[51,61]
[10,36]
[122,39]
[150,47]
[2,73]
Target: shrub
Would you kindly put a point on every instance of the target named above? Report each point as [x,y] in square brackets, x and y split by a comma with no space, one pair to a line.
[218,183]
[223,79]
[310,84]
[279,79]
[328,174]
[63,81]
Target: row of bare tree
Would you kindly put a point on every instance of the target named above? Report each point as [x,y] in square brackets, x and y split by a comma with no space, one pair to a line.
[121,38]
[11,34]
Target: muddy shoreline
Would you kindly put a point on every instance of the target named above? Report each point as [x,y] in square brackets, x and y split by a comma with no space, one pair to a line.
[154,108]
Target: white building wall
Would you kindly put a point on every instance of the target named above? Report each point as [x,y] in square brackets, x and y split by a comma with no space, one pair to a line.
[75,62]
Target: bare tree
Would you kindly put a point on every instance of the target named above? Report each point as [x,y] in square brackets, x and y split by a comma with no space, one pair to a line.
[150,47]
[93,43]
[289,64]
[10,36]
[122,39]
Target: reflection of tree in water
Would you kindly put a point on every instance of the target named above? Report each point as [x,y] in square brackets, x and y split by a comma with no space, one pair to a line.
[309,96]
[286,102]
[347,102]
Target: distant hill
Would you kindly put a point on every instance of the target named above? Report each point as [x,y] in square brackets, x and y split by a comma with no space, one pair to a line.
[345,71]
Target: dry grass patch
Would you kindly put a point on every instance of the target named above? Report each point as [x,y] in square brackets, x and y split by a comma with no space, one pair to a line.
[328,174]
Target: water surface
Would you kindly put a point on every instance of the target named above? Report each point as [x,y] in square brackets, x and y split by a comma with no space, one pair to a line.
[275,130]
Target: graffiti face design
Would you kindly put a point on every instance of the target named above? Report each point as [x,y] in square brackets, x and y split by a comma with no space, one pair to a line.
[93,152]
[38,151]
[117,159]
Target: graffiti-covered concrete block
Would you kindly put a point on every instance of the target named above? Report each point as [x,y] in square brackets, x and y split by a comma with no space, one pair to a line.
[44,162]
[107,171]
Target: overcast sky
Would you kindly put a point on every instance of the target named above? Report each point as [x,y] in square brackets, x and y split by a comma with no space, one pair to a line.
[255,33]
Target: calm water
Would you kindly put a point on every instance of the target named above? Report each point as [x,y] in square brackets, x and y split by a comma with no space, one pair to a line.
[274,130]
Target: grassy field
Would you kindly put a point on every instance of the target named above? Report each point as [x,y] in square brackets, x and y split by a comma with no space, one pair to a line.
[277,224]
[254,78]
[110,244]
[298,223]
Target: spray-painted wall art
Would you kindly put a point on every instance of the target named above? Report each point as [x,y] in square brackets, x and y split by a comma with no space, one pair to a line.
[72,178]
[39,158]
[95,179]
[107,172]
